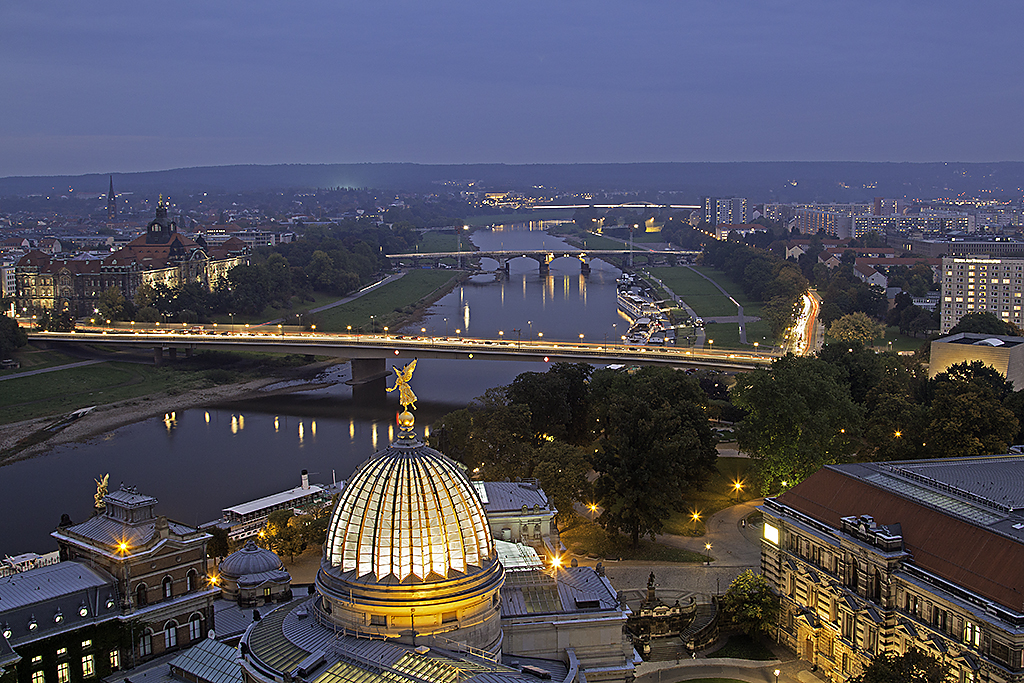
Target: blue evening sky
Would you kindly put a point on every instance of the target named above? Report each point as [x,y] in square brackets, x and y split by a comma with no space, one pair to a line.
[136,85]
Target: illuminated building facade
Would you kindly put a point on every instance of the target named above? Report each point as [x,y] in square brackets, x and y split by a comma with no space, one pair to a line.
[159,566]
[884,557]
[973,285]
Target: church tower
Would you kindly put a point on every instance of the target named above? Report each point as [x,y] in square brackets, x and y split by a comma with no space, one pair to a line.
[111,203]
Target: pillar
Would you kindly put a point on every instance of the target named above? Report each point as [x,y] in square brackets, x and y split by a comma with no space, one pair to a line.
[172,353]
[545,267]
[585,267]
[158,355]
[366,370]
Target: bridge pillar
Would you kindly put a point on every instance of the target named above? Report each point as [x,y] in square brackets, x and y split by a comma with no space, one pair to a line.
[188,353]
[545,267]
[585,267]
[365,370]
[158,355]
[172,353]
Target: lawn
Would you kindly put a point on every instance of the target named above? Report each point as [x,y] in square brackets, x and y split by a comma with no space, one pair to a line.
[32,358]
[701,295]
[274,312]
[583,537]
[742,646]
[432,242]
[718,494]
[900,342]
[591,241]
[389,305]
[724,335]
[66,390]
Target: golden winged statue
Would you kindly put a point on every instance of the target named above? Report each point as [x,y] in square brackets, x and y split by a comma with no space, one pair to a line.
[101,491]
[405,395]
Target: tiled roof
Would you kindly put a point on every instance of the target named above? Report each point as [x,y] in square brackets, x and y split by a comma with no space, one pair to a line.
[956,537]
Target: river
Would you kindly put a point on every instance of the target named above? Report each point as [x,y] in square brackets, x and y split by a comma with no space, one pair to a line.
[198,461]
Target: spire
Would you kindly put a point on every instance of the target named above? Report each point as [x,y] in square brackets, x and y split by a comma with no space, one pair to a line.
[111,203]
[110,194]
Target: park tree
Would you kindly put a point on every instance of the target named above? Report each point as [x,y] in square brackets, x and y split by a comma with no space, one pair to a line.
[913,666]
[561,470]
[282,535]
[985,323]
[113,305]
[218,545]
[968,412]
[56,320]
[800,417]
[654,446]
[750,603]
[250,288]
[855,327]
[558,401]
[11,336]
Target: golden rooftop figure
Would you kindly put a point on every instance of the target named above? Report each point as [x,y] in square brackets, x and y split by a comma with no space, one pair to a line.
[101,491]
[405,395]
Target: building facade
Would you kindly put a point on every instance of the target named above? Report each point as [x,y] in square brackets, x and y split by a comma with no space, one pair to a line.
[884,557]
[159,568]
[974,285]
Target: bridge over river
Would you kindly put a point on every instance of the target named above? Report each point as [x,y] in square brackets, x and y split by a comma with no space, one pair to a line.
[543,257]
[369,353]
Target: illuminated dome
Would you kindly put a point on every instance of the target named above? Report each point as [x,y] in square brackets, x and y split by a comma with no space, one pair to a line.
[409,514]
[409,553]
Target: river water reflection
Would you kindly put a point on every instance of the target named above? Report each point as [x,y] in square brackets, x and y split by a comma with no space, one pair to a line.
[198,461]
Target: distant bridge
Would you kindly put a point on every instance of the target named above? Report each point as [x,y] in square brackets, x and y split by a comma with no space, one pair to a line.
[369,352]
[543,257]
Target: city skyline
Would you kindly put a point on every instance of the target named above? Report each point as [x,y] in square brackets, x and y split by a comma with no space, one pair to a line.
[123,87]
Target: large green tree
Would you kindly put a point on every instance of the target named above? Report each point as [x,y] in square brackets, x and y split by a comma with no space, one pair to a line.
[11,336]
[913,666]
[800,416]
[113,305]
[985,323]
[654,446]
[750,603]
[558,400]
[855,327]
[969,415]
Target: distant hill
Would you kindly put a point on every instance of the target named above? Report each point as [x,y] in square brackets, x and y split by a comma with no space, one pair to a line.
[758,181]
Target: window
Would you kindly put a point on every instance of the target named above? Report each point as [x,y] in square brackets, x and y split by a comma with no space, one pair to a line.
[115,659]
[449,617]
[146,644]
[190,580]
[62,651]
[195,627]
[88,666]
[266,591]
[38,659]
[140,595]
[64,672]
[972,634]
[170,635]
[86,644]
[378,620]
[771,534]
[168,591]
[38,677]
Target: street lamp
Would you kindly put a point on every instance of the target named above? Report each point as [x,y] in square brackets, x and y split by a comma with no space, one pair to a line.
[695,516]
[707,549]
[372,324]
[776,672]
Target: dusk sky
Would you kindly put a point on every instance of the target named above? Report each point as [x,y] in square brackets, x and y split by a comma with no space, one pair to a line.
[117,86]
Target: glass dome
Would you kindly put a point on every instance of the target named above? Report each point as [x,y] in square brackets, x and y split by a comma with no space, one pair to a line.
[409,514]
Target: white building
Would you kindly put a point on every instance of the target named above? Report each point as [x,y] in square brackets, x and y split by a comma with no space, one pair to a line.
[974,285]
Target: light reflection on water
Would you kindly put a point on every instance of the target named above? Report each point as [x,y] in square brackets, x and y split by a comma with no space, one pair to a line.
[197,462]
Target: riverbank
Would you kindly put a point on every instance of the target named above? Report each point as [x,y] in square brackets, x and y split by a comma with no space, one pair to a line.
[105,418]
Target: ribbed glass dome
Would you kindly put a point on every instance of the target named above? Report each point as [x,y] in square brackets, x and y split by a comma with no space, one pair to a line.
[409,514]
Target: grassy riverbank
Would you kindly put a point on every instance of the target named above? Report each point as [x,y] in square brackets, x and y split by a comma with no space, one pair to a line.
[391,305]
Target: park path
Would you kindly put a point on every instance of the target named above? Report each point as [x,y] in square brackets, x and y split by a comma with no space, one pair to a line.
[68,366]
[739,318]
[352,297]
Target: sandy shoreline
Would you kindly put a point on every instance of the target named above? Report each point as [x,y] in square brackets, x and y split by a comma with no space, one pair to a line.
[108,417]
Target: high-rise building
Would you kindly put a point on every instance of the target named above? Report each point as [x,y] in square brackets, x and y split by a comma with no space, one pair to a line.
[973,285]
[732,211]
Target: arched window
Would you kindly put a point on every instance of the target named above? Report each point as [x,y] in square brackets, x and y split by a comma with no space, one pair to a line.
[168,588]
[536,530]
[170,634]
[140,595]
[195,627]
[191,580]
[146,643]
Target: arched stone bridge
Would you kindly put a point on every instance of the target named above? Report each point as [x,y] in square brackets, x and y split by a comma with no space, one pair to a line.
[543,257]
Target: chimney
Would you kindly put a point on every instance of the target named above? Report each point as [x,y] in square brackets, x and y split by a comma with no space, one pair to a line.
[305,480]
[162,528]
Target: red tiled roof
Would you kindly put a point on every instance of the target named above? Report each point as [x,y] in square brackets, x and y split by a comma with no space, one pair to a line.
[966,554]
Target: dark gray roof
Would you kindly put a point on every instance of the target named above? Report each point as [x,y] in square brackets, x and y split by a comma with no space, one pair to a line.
[46,583]
[128,497]
[996,480]
[209,662]
[108,531]
[974,338]
[249,559]
[511,496]
[577,589]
